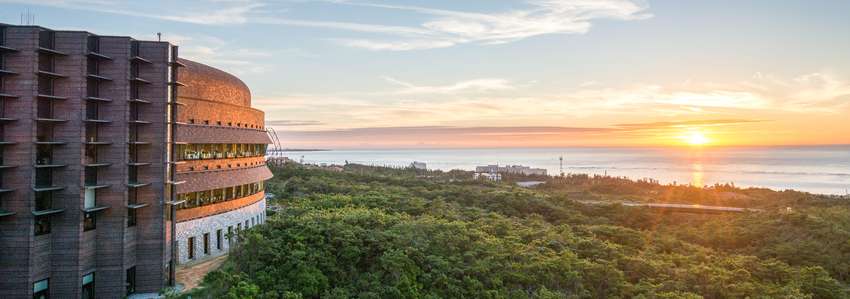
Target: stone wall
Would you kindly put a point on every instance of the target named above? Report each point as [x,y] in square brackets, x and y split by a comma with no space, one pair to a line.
[254,214]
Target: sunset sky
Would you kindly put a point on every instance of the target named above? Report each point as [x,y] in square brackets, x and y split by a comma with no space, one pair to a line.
[402,74]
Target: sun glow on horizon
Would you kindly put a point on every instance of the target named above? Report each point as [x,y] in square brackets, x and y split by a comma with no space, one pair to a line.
[696,138]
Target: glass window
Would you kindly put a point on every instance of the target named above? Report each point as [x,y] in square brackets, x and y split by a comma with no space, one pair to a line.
[131,217]
[41,289]
[206,243]
[218,241]
[45,85]
[131,280]
[190,246]
[89,221]
[88,286]
[42,225]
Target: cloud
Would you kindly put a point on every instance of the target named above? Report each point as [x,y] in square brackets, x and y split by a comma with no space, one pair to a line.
[448,28]
[685,124]
[292,123]
[442,29]
[500,102]
[475,85]
[493,136]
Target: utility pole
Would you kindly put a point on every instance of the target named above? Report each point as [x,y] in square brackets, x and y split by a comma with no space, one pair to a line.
[561,160]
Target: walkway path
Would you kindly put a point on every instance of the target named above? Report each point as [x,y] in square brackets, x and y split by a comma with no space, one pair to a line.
[191,276]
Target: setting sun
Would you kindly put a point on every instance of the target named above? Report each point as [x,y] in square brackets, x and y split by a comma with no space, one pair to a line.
[696,138]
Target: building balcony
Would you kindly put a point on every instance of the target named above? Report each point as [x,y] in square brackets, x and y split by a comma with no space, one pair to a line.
[140,59]
[139,122]
[140,80]
[95,142]
[94,209]
[137,205]
[96,186]
[50,142]
[138,142]
[7,119]
[50,74]
[7,49]
[98,99]
[7,96]
[51,97]
[4,72]
[4,213]
[100,56]
[98,77]
[6,167]
[47,119]
[177,64]
[97,164]
[137,184]
[47,188]
[138,164]
[7,142]
[5,190]
[47,212]
[49,165]
[50,51]
[98,121]
[141,101]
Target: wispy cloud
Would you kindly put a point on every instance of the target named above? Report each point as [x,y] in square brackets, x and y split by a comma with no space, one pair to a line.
[447,28]
[292,123]
[443,28]
[492,102]
[475,85]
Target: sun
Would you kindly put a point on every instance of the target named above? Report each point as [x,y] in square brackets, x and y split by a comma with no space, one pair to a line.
[696,138]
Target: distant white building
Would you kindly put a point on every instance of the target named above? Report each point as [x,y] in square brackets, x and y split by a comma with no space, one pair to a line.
[511,169]
[496,177]
[419,165]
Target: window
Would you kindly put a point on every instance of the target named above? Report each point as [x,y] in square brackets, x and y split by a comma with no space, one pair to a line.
[134,111]
[45,108]
[133,174]
[206,243]
[46,62]
[89,221]
[190,246]
[131,217]
[246,224]
[94,44]
[44,154]
[90,176]
[134,48]
[45,85]
[92,110]
[41,289]
[93,67]
[46,39]
[131,280]
[218,241]
[88,286]
[229,235]
[42,225]
[91,134]
[252,221]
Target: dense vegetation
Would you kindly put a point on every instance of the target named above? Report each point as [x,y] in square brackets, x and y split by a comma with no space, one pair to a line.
[385,233]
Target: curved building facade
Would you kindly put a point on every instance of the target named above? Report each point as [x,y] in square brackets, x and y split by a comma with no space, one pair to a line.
[220,147]
[118,162]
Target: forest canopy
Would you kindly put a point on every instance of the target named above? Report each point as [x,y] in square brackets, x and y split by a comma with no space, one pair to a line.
[369,232]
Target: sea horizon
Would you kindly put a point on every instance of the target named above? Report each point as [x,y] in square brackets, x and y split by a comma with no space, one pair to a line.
[822,169]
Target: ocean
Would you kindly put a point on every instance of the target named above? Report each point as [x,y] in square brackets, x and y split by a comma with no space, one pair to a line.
[816,169]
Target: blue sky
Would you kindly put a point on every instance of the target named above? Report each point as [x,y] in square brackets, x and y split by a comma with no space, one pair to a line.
[536,72]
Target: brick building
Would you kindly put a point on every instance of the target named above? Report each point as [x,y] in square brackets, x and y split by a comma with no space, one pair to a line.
[118,160]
